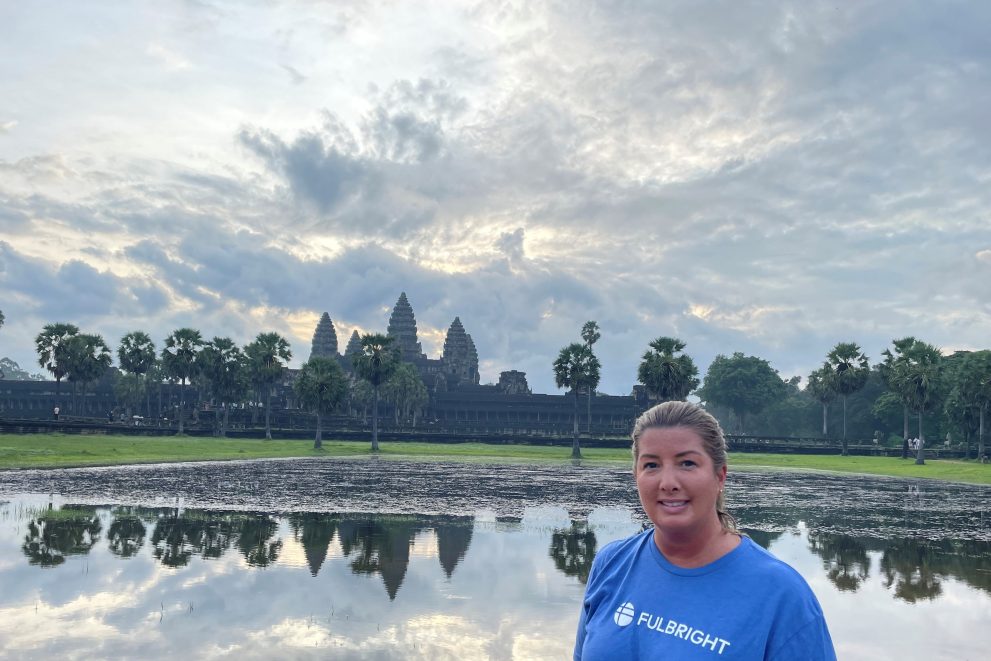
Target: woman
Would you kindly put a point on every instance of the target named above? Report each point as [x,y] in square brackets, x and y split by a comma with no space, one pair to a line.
[693,587]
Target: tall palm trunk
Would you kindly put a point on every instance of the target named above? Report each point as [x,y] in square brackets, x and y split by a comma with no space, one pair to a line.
[980,433]
[825,419]
[576,452]
[147,397]
[845,450]
[905,431]
[375,419]
[588,413]
[268,411]
[318,442]
[920,457]
[182,403]
[223,428]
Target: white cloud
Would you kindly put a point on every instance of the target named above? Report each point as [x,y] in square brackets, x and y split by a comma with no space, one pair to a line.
[767,179]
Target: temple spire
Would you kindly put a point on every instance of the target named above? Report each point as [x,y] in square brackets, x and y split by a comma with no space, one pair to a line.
[324,338]
[460,357]
[402,329]
[354,344]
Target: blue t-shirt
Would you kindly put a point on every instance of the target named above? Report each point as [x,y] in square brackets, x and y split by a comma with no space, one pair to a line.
[745,605]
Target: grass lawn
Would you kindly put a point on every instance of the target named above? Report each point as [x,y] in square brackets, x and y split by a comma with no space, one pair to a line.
[61,451]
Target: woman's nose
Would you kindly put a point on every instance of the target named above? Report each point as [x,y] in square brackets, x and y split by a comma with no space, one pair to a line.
[668,480]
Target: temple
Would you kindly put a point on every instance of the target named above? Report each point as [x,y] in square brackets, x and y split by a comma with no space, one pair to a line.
[458,401]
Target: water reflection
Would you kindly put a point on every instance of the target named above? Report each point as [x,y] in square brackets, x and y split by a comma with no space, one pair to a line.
[126,534]
[56,533]
[374,544]
[381,545]
[314,531]
[257,540]
[470,562]
[573,549]
[910,568]
[843,557]
[179,535]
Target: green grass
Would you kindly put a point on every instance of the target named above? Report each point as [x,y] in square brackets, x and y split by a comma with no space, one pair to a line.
[61,451]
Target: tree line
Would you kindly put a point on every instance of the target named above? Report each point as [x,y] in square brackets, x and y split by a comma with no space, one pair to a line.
[227,375]
[913,377]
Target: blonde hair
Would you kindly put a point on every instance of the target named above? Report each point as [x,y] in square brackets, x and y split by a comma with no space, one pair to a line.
[698,420]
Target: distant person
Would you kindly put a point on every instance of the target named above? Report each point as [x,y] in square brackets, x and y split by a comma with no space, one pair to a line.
[693,586]
[55,412]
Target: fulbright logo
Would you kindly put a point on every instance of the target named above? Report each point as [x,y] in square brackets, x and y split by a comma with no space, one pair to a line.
[624,614]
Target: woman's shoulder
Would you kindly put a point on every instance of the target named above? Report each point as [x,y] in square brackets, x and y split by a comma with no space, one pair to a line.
[764,568]
[616,559]
[760,558]
[626,546]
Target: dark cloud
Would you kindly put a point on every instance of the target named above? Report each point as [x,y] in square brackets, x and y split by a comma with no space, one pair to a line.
[765,178]
[73,291]
[511,244]
[318,171]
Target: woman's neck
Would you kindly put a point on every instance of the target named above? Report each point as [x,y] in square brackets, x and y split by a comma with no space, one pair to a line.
[691,549]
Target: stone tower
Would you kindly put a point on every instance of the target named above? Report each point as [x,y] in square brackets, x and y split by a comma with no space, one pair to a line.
[513,382]
[460,357]
[324,338]
[472,360]
[402,329]
[354,345]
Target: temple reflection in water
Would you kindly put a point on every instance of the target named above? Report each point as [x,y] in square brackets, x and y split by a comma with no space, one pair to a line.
[380,544]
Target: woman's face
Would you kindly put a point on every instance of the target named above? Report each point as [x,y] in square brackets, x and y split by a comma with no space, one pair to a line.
[677,483]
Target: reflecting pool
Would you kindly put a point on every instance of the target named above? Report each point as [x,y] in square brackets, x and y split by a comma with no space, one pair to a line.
[382,559]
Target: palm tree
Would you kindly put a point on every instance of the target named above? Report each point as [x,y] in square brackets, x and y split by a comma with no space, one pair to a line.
[892,371]
[591,335]
[50,345]
[267,356]
[136,355]
[88,358]
[820,386]
[922,378]
[320,386]
[850,370]
[360,397]
[179,361]
[375,363]
[129,391]
[974,386]
[405,391]
[667,375]
[223,366]
[576,367]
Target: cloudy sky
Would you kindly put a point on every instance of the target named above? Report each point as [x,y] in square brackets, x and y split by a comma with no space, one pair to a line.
[770,178]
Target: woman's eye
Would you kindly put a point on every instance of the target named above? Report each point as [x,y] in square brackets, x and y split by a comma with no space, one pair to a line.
[649,464]
[688,463]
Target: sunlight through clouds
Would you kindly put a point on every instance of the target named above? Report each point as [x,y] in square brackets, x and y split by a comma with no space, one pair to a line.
[764,177]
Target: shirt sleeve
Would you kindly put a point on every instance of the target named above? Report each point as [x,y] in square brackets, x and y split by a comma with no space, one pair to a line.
[580,636]
[593,575]
[811,643]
